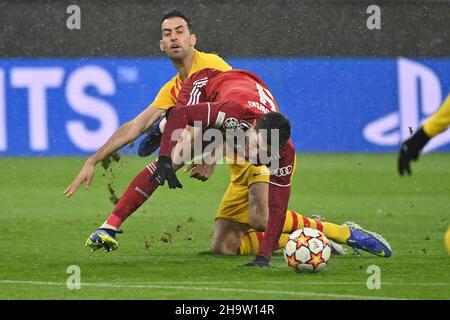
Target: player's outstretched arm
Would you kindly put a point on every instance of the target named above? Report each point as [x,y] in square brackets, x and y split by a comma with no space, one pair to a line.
[126,133]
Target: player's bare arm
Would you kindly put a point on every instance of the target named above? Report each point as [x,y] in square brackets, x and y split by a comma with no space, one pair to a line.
[258,205]
[126,133]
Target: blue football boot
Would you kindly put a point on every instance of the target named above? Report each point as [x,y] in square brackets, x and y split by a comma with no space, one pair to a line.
[367,240]
[103,238]
[152,139]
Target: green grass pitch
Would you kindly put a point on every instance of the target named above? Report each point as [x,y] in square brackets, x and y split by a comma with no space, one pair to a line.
[162,253]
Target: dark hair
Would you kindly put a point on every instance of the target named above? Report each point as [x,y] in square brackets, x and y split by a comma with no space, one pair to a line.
[275,120]
[178,14]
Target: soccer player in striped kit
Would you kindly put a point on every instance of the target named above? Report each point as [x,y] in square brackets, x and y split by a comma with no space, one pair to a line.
[246,180]
[238,99]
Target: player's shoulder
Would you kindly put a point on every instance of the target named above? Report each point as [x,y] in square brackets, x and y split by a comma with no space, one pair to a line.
[210,60]
[247,73]
[204,74]
[208,56]
[167,88]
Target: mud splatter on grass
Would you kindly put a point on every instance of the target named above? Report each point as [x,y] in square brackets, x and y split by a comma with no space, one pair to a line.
[167,238]
[112,194]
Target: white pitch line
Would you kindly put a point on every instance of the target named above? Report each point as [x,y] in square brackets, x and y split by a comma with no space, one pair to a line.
[166,287]
[425,284]
[284,283]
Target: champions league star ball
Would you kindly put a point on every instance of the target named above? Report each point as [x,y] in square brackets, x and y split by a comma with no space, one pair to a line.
[307,250]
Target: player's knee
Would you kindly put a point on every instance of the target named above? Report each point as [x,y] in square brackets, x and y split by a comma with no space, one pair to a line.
[224,249]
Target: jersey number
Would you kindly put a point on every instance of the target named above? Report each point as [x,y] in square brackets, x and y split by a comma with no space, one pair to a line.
[266,97]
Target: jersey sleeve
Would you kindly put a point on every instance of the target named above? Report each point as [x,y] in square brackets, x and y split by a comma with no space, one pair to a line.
[210,60]
[279,194]
[439,121]
[209,114]
[219,64]
[165,97]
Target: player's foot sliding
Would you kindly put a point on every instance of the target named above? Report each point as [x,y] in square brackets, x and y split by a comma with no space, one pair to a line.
[103,238]
[368,241]
[137,192]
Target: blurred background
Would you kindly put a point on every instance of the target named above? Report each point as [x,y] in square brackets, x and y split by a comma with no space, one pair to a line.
[354,76]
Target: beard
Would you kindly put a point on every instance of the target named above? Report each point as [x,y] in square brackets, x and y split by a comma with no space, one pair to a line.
[177,56]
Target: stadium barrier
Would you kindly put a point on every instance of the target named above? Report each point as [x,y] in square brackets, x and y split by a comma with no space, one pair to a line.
[58,107]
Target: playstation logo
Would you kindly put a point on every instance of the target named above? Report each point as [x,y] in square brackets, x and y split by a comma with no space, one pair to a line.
[419,96]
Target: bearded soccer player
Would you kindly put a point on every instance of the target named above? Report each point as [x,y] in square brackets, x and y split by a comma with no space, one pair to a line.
[238,99]
[178,43]
[411,148]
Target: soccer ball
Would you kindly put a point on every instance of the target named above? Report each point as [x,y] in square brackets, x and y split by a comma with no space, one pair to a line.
[307,250]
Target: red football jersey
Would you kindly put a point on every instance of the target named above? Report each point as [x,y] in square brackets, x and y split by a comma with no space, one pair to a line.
[237,97]
[245,87]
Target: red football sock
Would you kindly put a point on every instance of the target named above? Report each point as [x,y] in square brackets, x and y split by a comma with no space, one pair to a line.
[138,191]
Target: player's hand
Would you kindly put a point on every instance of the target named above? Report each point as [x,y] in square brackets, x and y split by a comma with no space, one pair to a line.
[164,171]
[259,262]
[410,150]
[201,171]
[86,175]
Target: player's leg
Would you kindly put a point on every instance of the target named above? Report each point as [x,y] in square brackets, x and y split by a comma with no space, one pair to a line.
[233,233]
[252,186]
[235,208]
[252,239]
[335,232]
[142,186]
[359,239]
[258,191]
[227,236]
[232,220]
[138,191]
[348,233]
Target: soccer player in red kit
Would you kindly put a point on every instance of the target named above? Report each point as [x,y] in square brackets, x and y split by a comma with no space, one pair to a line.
[229,101]
[256,104]
[239,100]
